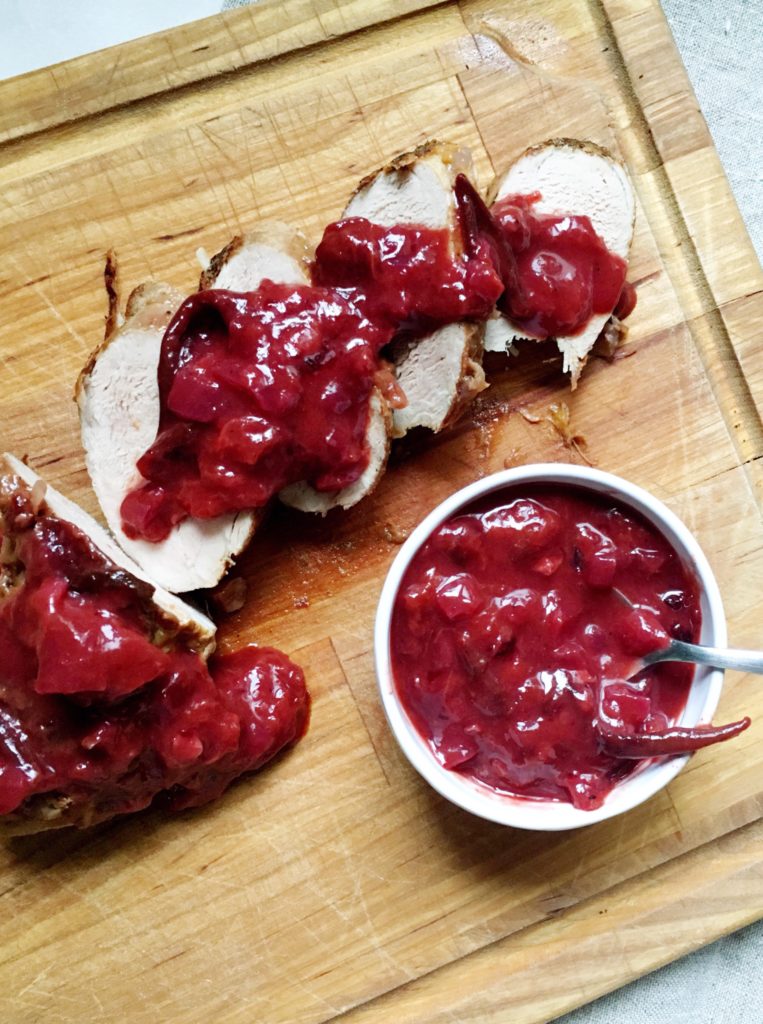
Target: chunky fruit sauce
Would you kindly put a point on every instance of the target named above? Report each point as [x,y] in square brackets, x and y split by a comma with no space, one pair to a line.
[99,705]
[406,277]
[556,270]
[565,273]
[267,388]
[258,391]
[511,650]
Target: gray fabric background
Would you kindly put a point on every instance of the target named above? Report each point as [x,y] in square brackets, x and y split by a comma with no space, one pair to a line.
[721,44]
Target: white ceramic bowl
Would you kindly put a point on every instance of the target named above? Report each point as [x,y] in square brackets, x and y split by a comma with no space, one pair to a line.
[549,815]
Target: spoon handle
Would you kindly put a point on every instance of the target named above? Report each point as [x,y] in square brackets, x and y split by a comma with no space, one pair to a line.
[718,657]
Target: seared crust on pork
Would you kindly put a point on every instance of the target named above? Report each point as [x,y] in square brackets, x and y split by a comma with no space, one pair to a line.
[578,177]
[45,811]
[273,250]
[111,281]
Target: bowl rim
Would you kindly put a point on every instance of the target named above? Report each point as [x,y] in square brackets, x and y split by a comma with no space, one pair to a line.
[529,813]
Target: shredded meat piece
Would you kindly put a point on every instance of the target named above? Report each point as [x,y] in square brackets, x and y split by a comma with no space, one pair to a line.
[488,410]
[229,596]
[516,457]
[37,497]
[394,534]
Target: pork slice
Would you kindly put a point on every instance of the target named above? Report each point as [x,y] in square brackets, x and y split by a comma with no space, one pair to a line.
[177,616]
[279,252]
[452,354]
[178,623]
[118,398]
[440,373]
[306,498]
[273,250]
[572,177]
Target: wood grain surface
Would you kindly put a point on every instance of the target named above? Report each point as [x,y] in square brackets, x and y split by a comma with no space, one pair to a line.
[334,883]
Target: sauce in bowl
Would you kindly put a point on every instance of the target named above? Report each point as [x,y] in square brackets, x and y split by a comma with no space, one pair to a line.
[510,648]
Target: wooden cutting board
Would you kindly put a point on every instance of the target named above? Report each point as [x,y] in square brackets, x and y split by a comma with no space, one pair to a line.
[335,883]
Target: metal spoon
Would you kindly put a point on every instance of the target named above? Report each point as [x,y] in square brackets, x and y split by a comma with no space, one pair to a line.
[700,654]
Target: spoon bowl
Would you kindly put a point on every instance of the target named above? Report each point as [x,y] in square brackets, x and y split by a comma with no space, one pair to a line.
[696,654]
